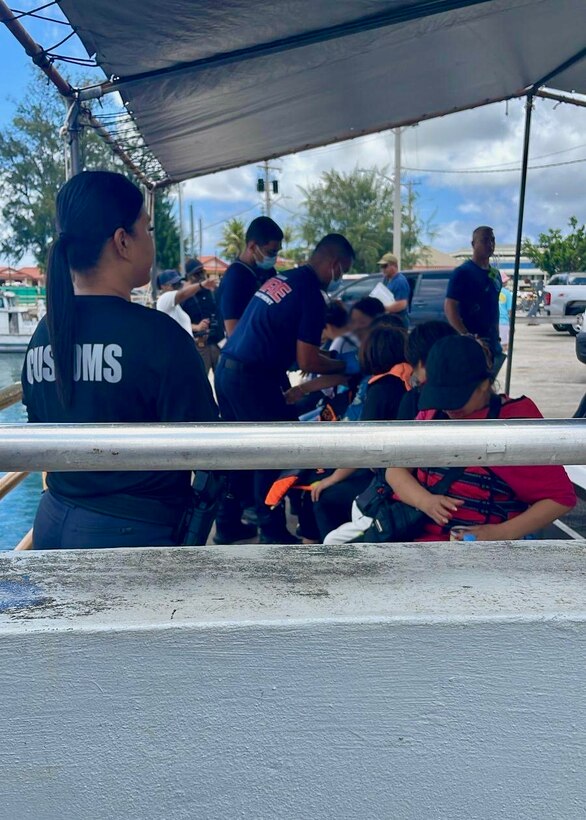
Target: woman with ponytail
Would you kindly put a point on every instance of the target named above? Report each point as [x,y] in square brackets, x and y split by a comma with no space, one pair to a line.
[98,357]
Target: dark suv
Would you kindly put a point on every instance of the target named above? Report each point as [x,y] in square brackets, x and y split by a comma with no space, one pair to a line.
[428,291]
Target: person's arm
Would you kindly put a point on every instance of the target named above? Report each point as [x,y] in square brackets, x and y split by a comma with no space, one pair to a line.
[312,360]
[201,327]
[341,474]
[538,515]
[187,291]
[313,385]
[397,306]
[230,326]
[440,508]
[452,311]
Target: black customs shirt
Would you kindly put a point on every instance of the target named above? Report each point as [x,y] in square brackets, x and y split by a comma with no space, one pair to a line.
[131,364]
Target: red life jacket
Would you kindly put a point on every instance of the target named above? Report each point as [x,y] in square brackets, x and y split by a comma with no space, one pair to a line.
[488,499]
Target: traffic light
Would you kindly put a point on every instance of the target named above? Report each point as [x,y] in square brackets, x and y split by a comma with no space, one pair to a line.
[260,185]
[275,186]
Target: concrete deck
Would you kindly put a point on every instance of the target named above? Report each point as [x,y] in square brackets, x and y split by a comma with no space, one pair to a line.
[546,369]
[408,682]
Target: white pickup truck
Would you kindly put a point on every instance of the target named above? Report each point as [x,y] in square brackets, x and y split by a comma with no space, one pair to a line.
[565,300]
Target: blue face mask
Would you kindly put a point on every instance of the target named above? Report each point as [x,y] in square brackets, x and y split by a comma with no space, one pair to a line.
[266,262]
[331,286]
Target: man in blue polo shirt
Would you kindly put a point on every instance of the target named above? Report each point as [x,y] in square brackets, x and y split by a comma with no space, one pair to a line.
[398,285]
[283,323]
[472,298]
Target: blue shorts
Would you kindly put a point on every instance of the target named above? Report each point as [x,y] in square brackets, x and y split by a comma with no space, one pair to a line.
[61,524]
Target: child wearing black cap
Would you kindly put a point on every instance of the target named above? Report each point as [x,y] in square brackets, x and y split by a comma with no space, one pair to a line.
[497,503]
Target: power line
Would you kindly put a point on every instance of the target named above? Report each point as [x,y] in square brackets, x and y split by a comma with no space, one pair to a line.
[232,216]
[497,170]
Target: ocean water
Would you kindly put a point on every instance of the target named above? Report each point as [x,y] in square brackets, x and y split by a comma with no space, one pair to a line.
[17,509]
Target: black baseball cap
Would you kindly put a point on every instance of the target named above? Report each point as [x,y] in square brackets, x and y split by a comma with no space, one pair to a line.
[193,267]
[455,366]
[168,277]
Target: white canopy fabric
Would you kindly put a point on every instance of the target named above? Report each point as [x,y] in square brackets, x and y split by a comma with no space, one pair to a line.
[264,78]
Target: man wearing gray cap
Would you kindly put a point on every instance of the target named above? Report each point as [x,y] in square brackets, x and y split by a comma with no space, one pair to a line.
[398,285]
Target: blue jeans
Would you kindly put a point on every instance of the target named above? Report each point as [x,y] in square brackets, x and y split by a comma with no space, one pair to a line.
[61,524]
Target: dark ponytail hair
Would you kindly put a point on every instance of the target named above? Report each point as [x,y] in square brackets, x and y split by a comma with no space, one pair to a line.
[91,207]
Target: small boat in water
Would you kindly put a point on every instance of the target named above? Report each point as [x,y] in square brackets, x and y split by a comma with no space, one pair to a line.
[17,321]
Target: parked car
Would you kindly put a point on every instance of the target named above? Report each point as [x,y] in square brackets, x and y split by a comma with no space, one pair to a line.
[428,291]
[581,339]
[565,297]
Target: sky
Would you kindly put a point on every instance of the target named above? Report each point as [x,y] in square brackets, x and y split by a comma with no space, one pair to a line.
[465,167]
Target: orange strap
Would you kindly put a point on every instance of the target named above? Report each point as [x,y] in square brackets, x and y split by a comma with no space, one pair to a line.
[402,371]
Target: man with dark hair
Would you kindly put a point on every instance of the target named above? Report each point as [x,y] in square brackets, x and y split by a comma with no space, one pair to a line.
[253,267]
[283,323]
[202,308]
[472,299]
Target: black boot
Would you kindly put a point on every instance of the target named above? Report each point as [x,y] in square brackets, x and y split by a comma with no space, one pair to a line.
[236,531]
[229,526]
[272,527]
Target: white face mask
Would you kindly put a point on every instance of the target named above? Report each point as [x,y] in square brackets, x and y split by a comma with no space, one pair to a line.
[266,262]
[334,278]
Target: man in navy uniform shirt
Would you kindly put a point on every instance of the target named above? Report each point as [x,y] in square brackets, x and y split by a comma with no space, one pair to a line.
[282,324]
[472,298]
[246,274]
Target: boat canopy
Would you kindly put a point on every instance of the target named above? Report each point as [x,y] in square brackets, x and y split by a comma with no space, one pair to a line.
[222,83]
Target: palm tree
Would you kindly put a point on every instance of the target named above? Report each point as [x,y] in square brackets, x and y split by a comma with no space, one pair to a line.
[289,234]
[233,240]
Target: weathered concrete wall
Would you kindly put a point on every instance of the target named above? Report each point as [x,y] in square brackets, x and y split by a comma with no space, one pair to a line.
[423,681]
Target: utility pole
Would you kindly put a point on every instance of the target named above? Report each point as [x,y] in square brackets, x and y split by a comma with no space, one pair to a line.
[397,199]
[191,231]
[267,189]
[200,231]
[181,234]
[266,186]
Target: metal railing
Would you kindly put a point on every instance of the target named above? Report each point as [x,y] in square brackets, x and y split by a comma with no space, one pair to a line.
[25,448]
[248,446]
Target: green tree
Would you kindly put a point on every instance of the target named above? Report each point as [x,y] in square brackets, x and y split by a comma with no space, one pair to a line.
[555,253]
[32,169]
[233,240]
[289,234]
[360,206]
[166,232]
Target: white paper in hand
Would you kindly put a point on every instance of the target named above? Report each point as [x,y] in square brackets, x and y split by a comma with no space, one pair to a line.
[383,294]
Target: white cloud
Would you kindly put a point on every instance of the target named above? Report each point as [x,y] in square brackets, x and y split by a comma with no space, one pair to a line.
[465,144]
[470,208]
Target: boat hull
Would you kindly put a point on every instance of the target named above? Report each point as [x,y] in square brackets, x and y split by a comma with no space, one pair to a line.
[16,343]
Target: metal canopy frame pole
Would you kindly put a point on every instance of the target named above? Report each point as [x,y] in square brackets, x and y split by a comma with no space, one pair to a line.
[72,131]
[528,111]
[150,202]
[39,57]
